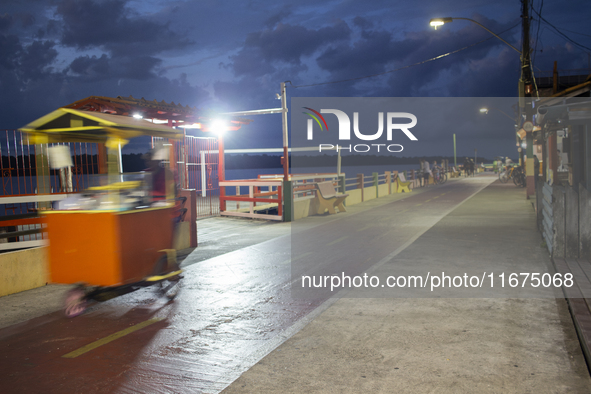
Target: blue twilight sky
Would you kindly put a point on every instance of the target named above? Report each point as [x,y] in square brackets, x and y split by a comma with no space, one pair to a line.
[232,55]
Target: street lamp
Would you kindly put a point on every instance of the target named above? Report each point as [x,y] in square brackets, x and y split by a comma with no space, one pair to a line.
[436,22]
[485,110]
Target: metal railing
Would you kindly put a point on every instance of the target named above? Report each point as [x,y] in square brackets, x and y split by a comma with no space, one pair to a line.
[272,199]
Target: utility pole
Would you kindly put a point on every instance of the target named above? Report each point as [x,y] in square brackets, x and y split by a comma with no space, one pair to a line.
[285,134]
[455,159]
[287,183]
[526,88]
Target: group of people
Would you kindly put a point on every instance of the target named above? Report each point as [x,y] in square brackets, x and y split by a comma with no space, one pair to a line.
[468,167]
[427,170]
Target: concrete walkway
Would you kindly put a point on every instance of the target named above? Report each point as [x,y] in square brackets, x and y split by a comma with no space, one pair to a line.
[511,340]
[445,345]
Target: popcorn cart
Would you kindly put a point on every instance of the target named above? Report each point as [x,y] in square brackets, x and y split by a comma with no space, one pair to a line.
[115,237]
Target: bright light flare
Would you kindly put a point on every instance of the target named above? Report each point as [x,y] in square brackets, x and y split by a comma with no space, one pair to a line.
[219,126]
[484,110]
[138,116]
[436,22]
[190,126]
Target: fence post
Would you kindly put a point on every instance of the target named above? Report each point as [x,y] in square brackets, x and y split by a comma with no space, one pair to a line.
[42,173]
[389,182]
[287,191]
[412,176]
[360,184]
[375,182]
[191,215]
[342,186]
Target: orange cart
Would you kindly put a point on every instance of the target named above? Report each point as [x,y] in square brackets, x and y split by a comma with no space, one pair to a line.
[113,238]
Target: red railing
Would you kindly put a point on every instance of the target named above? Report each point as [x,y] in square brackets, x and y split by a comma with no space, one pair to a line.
[21,175]
[255,196]
[27,185]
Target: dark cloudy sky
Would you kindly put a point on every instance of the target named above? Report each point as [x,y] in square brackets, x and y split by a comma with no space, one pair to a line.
[232,55]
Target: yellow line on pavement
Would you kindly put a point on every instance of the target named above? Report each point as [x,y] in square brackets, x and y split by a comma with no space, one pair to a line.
[418,204]
[299,256]
[338,240]
[111,338]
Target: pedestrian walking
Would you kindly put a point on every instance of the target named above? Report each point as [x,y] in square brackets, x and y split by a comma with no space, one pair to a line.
[426,171]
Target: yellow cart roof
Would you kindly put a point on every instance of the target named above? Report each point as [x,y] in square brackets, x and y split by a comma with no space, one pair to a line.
[70,125]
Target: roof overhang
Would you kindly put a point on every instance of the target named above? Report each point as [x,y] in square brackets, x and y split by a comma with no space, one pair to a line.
[575,112]
[159,111]
[70,125]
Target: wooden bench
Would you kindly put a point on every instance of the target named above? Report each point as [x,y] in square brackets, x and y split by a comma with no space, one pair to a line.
[402,185]
[328,198]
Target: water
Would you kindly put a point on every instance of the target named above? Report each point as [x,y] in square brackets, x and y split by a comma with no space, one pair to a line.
[28,184]
[349,171]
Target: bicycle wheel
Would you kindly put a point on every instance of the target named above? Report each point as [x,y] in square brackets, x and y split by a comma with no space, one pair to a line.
[503,177]
[443,179]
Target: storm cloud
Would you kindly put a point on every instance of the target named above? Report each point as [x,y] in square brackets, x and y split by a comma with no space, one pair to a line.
[232,55]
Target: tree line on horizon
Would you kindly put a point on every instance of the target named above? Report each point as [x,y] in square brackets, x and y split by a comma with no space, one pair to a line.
[272,161]
[25,165]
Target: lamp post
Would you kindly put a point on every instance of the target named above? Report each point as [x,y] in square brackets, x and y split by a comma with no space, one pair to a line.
[455,158]
[525,81]
[484,110]
[436,22]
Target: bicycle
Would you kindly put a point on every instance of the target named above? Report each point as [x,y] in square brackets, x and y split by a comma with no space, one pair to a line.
[519,177]
[439,177]
[515,173]
[442,177]
[506,174]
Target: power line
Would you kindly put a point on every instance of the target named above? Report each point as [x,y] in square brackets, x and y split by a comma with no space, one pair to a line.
[576,32]
[561,33]
[404,67]
[538,31]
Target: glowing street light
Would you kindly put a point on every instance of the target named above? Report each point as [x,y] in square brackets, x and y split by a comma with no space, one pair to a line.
[485,110]
[219,127]
[436,22]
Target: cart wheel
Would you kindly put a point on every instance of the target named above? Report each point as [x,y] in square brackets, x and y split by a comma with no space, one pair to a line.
[75,303]
[170,288]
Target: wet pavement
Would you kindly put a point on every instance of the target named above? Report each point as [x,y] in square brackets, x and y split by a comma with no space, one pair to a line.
[228,308]
[235,306]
